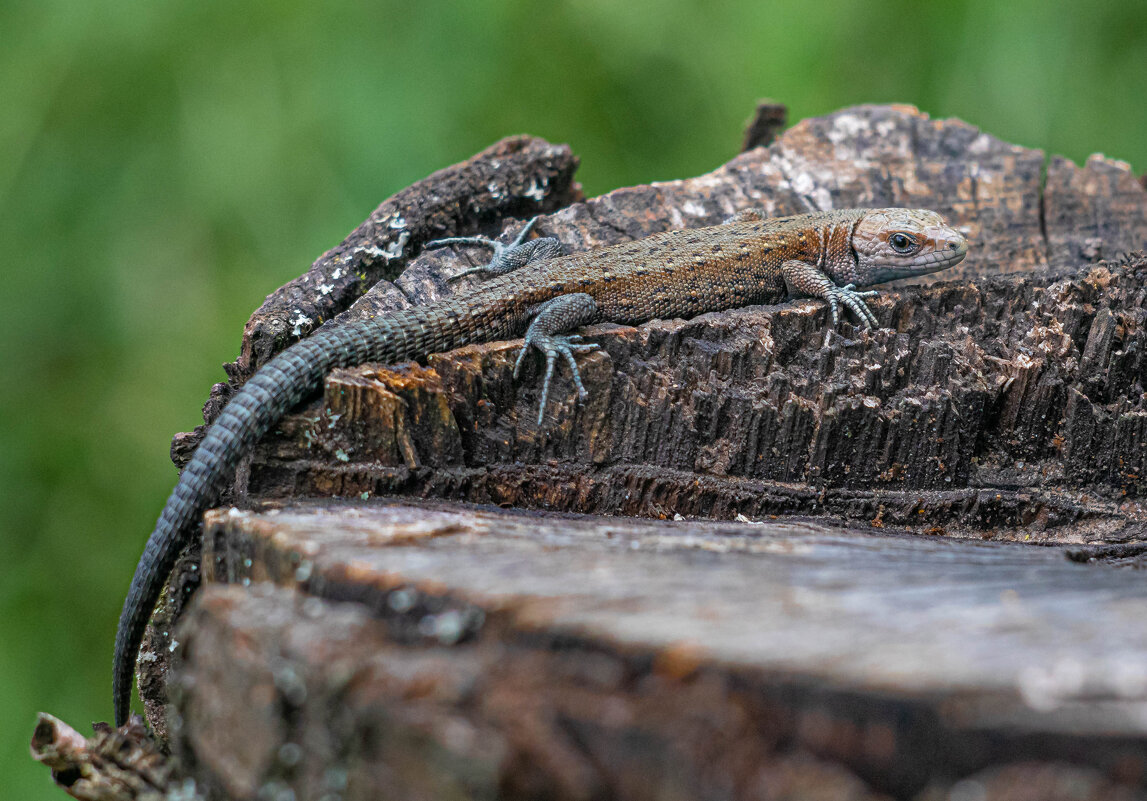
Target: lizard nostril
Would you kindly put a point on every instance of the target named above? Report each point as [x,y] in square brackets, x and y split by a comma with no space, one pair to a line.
[953,245]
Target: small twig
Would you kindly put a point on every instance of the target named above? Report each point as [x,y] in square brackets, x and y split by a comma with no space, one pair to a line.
[121,764]
[768,121]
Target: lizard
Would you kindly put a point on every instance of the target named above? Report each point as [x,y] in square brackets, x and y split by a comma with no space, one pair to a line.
[531,288]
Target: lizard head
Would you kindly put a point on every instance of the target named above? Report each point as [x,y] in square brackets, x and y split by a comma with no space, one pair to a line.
[902,243]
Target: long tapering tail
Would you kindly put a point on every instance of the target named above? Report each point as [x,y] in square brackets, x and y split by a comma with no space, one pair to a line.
[263,400]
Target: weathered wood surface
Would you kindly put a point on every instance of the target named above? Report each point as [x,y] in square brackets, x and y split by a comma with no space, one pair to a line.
[1006,402]
[519,176]
[767,122]
[487,653]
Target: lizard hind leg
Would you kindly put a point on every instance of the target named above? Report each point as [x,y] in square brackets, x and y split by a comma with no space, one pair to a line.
[506,258]
[547,334]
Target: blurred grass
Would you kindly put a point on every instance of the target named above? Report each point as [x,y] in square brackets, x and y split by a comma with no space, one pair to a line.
[164,164]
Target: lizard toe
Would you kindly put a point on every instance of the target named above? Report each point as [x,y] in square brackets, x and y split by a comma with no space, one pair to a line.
[551,359]
[485,268]
[854,301]
[551,347]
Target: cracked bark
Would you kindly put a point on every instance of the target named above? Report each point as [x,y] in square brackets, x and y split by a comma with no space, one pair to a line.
[1003,400]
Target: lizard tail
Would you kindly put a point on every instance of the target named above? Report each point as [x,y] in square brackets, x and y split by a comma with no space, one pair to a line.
[263,400]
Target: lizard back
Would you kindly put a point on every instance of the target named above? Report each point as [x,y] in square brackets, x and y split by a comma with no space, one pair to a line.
[682,273]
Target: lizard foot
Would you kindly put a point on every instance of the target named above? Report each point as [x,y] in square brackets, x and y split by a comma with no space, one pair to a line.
[551,347]
[506,258]
[548,334]
[854,300]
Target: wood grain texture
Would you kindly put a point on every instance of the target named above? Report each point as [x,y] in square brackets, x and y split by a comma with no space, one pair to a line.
[583,653]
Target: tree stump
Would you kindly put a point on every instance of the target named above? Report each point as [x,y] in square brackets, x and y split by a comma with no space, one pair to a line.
[873,616]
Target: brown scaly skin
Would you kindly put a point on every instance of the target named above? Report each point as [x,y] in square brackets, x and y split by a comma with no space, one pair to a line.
[535,290]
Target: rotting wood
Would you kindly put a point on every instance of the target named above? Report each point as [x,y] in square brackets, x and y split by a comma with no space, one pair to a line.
[1009,406]
[520,175]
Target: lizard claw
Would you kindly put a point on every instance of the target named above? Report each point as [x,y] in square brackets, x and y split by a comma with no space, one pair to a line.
[483,241]
[521,237]
[854,300]
[551,347]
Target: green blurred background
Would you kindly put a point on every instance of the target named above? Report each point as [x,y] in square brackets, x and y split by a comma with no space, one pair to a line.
[166,163]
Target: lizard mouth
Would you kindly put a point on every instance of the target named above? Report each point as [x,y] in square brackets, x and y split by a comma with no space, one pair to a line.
[938,259]
[948,249]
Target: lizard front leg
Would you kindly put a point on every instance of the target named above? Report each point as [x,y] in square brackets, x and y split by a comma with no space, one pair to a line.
[548,334]
[506,258]
[805,280]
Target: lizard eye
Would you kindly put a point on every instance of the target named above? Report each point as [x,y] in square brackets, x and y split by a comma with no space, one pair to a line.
[902,243]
